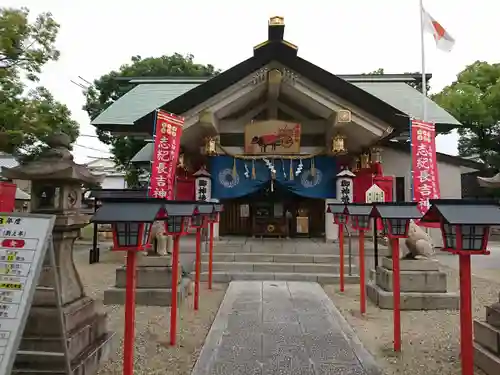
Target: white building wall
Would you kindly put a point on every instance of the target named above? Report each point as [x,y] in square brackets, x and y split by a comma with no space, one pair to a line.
[114,182]
[398,164]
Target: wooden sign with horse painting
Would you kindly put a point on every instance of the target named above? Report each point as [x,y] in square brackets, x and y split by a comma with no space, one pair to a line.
[272,137]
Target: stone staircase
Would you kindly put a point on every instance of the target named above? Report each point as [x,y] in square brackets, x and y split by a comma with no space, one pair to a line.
[278,259]
[487,341]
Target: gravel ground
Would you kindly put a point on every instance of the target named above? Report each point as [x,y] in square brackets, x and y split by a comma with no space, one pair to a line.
[153,354]
[430,339]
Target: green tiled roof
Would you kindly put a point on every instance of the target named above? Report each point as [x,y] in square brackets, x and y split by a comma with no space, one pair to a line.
[146,97]
[408,100]
[141,100]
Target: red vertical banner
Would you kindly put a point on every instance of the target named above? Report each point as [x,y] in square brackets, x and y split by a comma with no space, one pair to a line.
[424,164]
[168,132]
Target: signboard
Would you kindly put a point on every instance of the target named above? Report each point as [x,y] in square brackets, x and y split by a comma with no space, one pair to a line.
[24,239]
[374,194]
[424,166]
[203,188]
[272,137]
[168,132]
[244,210]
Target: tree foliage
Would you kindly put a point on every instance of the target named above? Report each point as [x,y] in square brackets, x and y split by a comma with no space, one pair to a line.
[107,89]
[28,118]
[474,100]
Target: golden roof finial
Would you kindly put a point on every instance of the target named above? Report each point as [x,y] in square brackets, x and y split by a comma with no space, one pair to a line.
[276,21]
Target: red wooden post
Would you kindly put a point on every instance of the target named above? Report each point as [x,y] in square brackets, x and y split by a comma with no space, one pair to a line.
[396,294]
[129,339]
[175,279]
[341,247]
[362,290]
[197,269]
[211,255]
[466,339]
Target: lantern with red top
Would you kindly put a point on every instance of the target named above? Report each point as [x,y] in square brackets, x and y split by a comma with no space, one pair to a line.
[214,216]
[201,215]
[360,221]
[396,222]
[465,226]
[131,223]
[340,218]
[178,216]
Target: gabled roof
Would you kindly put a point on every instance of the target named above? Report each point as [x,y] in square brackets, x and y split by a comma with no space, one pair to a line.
[140,101]
[379,98]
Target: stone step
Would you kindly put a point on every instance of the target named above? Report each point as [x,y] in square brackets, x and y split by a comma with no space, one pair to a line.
[486,361]
[323,278]
[290,248]
[147,297]
[275,267]
[278,248]
[487,336]
[278,258]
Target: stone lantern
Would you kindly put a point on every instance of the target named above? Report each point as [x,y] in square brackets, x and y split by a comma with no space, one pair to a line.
[56,188]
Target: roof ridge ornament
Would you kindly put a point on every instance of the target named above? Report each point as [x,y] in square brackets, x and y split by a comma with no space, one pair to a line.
[277,21]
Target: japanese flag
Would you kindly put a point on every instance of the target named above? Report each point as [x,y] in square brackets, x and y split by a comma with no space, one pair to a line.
[444,41]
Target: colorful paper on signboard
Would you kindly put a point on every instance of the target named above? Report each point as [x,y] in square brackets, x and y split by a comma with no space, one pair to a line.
[424,165]
[168,132]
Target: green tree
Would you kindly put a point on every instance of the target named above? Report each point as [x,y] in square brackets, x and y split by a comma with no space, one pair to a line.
[474,100]
[107,89]
[27,119]
[417,84]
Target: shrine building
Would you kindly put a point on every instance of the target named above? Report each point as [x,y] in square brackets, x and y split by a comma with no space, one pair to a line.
[275,138]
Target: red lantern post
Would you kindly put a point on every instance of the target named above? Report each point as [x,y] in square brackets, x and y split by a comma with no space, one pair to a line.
[340,218]
[396,221]
[198,221]
[129,236]
[360,221]
[465,226]
[178,216]
[213,218]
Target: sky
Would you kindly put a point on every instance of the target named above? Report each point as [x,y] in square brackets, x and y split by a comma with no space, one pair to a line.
[343,37]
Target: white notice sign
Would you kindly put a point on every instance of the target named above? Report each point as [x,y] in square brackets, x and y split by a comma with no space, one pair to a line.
[374,194]
[24,239]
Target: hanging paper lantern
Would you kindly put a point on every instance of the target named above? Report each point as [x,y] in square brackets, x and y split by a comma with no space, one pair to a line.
[338,145]
[365,160]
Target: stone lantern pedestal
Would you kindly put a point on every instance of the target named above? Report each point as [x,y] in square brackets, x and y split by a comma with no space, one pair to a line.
[57,189]
[154,283]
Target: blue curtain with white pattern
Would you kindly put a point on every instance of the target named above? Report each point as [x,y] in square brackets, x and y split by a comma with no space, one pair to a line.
[315,179]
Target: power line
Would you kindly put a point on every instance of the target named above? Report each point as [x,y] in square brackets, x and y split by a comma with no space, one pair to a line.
[91,148]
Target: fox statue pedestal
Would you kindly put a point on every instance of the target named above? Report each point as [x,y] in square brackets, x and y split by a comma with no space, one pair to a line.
[57,189]
[487,340]
[423,286]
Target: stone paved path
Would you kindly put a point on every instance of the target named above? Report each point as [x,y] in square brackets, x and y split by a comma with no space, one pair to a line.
[288,328]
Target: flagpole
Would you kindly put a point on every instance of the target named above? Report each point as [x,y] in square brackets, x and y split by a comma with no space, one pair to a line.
[422,55]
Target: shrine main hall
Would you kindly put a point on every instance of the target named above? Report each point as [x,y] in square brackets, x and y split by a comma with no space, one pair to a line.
[275,138]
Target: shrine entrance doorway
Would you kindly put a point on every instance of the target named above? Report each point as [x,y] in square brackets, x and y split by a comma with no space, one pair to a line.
[273,211]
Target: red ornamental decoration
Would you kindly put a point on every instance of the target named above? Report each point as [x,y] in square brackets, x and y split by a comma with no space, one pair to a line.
[424,165]
[13,244]
[168,132]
